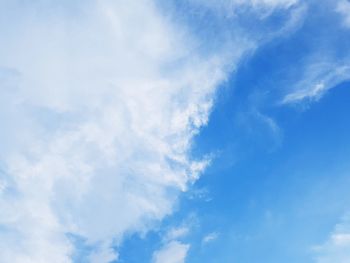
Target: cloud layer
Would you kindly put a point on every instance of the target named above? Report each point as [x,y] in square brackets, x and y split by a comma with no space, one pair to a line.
[99,104]
[102,115]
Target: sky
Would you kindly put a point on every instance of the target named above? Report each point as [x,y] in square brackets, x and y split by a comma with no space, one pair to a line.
[178,131]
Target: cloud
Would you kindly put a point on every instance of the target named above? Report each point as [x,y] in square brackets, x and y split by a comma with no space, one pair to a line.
[337,247]
[102,115]
[173,252]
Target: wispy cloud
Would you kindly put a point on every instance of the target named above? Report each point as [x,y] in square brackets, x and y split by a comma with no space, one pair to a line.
[210,237]
[257,5]
[325,63]
[318,79]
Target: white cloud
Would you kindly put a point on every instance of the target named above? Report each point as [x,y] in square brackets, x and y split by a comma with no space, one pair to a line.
[343,8]
[103,111]
[173,252]
[337,247]
[104,99]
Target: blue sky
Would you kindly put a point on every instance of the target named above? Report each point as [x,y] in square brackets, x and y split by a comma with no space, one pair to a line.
[175,131]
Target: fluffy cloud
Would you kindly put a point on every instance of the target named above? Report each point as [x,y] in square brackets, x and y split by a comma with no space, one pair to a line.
[99,105]
[174,252]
